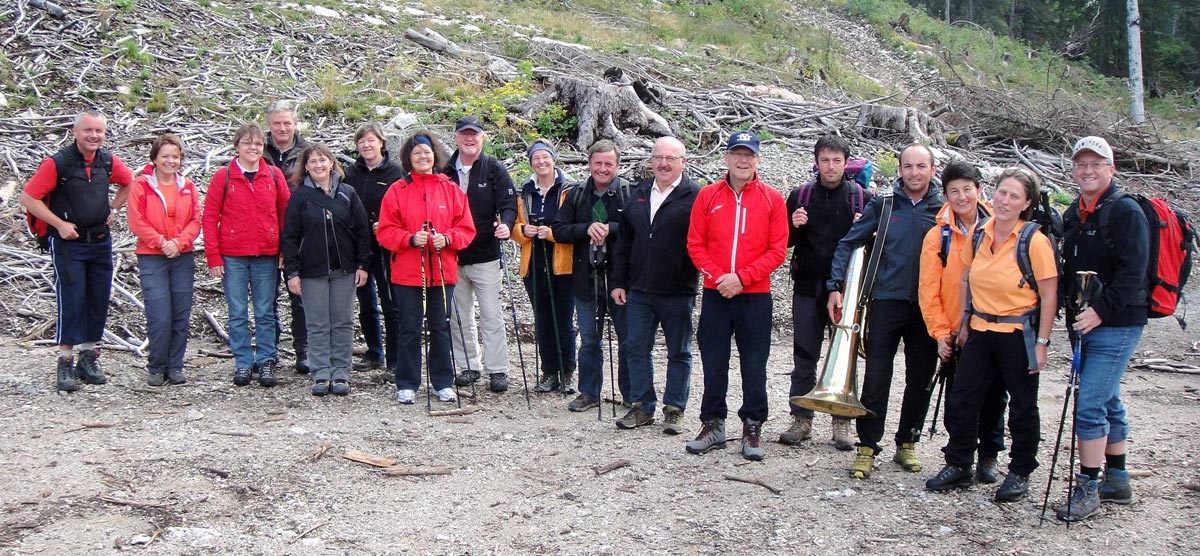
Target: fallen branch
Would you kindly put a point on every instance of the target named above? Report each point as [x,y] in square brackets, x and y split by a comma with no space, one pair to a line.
[307,531]
[218,472]
[416,470]
[232,433]
[325,446]
[87,426]
[460,411]
[363,457]
[611,467]
[216,326]
[130,503]
[758,482]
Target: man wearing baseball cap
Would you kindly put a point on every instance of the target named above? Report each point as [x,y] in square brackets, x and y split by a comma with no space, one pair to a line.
[737,237]
[493,206]
[1107,325]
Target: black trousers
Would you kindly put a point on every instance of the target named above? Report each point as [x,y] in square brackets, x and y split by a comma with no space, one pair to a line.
[991,357]
[888,322]
[809,319]
[991,413]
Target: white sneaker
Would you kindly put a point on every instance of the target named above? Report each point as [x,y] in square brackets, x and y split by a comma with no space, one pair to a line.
[405,396]
[446,395]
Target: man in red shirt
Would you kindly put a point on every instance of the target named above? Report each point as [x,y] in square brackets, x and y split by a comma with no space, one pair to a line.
[737,237]
[70,193]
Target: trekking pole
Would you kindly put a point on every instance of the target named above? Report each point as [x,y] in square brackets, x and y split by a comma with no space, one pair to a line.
[612,381]
[446,303]
[553,314]
[940,379]
[425,324]
[597,260]
[516,330]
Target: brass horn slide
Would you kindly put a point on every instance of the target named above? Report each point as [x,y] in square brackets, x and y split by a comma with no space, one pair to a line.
[837,391]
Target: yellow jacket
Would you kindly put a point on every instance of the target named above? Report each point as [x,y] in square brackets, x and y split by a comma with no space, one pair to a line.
[562,251]
[940,289]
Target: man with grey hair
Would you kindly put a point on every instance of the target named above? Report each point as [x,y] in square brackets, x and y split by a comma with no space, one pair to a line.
[284,145]
[68,200]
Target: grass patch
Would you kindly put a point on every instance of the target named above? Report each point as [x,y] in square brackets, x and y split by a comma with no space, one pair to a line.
[132,51]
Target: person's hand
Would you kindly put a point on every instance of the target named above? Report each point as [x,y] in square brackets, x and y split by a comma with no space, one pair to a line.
[112,216]
[502,231]
[598,231]
[857,215]
[962,336]
[945,346]
[834,306]
[729,285]
[217,271]
[1040,351]
[293,285]
[543,232]
[618,296]
[170,249]
[420,238]
[375,227]
[360,278]
[440,241]
[799,217]
[529,230]
[1087,321]
[67,231]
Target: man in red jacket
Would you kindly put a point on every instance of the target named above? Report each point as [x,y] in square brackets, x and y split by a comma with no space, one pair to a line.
[738,236]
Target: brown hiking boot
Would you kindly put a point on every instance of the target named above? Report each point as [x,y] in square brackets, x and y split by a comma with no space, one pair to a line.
[800,430]
[842,439]
[635,418]
[672,420]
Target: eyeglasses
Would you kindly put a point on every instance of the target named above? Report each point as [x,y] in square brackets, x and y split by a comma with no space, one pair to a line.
[662,158]
[742,154]
[1090,165]
[245,143]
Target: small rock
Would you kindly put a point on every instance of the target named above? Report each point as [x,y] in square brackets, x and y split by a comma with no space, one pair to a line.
[123,89]
[3,101]
[441,538]
[140,540]
[945,530]
[323,11]
[192,415]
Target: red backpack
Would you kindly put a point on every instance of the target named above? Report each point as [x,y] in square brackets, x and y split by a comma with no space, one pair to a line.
[1172,242]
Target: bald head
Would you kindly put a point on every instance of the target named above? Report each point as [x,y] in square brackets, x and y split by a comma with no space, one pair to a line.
[667,159]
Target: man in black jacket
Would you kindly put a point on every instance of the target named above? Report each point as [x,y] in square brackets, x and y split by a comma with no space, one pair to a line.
[283,149]
[590,219]
[821,212]
[654,276]
[493,205]
[1108,326]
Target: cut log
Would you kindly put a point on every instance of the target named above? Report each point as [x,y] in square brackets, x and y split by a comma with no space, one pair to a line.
[498,68]
[416,470]
[363,457]
[876,120]
[601,110]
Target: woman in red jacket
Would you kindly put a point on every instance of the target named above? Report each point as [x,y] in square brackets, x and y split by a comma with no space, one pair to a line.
[243,214]
[424,221]
[164,214]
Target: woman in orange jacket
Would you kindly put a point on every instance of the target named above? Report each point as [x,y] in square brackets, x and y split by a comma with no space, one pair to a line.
[945,260]
[164,214]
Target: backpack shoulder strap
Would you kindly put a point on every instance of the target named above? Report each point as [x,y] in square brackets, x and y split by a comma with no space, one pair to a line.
[858,198]
[977,236]
[1105,216]
[805,195]
[1024,263]
[944,251]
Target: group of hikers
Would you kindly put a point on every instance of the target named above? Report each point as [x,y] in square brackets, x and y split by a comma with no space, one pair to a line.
[418,237]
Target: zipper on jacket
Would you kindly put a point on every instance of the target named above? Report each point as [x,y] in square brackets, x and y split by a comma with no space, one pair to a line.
[739,226]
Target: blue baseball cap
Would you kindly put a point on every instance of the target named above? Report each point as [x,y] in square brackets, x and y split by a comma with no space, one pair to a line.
[745,139]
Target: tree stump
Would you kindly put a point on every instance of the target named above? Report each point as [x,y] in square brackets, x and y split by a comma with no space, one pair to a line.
[602,110]
[916,127]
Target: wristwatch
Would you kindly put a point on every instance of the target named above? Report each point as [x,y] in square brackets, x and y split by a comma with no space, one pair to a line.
[1044,341]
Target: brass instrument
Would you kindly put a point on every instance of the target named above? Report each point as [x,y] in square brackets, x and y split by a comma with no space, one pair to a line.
[836,393]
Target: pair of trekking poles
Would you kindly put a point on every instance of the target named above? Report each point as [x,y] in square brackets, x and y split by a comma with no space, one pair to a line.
[1087,288]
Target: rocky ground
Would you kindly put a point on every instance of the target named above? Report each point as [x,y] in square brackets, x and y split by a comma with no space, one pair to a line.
[209,468]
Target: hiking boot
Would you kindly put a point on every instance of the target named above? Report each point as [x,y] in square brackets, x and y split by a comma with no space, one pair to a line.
[88,368]
[320,387]
[301,366]
[711,437]
[176,377]
[367,364]
[405,396]
[66,381]
[950,477]
[986,472]
[906,456]
[582,403]
[672,420]
[800,430]
[498,382]
[548,383]
[1115,487]
[751,448]
[447,395]
[466,378]
[1014,488]
[842,439]
[635,418]
[156,379]
[241,377]
[864,462]
[266,375]
[339,388]
[1084,501]
[568,382]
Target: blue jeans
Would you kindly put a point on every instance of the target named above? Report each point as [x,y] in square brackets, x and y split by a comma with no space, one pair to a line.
[644,312]
[591,346]
[1105,353]
[254,278]
[167,294]
[745,319]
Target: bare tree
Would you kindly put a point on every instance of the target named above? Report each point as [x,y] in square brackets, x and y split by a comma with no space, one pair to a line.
[1136,88]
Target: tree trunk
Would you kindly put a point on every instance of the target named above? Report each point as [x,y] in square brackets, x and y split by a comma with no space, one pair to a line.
[1136,88]
[602,110]
[947,11]
[1012,19]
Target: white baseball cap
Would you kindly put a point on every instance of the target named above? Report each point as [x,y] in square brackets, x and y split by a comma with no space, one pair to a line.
[1095,144]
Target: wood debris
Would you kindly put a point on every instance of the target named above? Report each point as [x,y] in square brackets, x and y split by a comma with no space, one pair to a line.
[415,470]
[363,457]
[609,467]
[758,482]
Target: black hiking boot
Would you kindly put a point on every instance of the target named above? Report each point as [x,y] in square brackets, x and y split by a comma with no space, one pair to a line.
[66,375]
